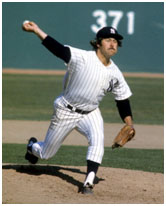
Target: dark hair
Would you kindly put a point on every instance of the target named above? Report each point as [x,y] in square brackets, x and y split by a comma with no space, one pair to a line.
[94,43]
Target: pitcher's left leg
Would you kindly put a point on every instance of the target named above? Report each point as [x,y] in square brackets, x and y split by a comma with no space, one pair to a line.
[92,127]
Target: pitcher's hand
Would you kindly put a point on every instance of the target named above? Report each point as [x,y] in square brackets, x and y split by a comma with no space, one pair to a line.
[29,26]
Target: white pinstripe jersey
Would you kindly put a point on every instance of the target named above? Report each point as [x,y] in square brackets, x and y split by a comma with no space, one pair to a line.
[87,80]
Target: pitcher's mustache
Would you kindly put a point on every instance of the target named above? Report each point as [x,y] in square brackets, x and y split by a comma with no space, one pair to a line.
[112,48]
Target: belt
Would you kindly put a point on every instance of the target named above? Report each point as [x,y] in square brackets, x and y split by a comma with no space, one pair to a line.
[77,110]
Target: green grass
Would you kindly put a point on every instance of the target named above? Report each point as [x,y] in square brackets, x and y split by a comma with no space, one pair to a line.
[31,97]
[134,159]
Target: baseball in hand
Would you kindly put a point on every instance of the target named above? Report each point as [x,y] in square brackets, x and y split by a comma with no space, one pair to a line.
[25,22]
[24,25]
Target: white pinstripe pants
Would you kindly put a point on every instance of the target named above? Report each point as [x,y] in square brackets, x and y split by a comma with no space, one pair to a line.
[62,123]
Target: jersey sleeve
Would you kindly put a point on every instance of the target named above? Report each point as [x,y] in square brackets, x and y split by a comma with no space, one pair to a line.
[58,49]
[77,59]
[121,89]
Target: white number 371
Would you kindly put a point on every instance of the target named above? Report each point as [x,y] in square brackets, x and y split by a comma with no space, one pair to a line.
[101,20]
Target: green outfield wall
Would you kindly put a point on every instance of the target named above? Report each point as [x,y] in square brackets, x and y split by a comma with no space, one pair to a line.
[75,24]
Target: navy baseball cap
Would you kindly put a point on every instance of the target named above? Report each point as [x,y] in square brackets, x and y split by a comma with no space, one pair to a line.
[107,32]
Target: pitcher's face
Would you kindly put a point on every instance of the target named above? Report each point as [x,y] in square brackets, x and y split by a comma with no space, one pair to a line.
[108,47]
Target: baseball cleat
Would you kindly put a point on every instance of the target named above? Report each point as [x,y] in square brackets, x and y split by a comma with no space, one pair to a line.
[29,156]
[88,189]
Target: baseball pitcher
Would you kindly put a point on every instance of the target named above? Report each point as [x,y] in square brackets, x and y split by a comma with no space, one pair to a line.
[89,77]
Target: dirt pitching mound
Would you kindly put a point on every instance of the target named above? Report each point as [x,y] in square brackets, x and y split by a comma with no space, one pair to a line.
[48,184]
[43,184]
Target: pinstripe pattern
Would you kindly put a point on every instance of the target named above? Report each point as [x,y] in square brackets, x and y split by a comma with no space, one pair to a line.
[88,80]
[63,122]
[92,127]
[85,84]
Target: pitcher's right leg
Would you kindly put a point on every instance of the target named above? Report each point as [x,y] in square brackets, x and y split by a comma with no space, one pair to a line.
[62,123]
[55,136]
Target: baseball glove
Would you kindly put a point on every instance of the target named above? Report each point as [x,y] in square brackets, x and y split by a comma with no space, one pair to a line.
[126,134]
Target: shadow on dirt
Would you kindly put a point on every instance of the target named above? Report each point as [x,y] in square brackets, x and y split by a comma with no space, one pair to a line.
[58,171]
